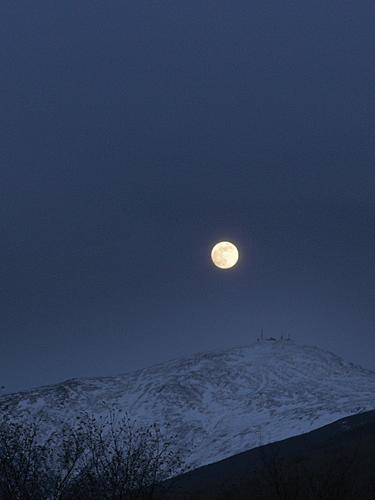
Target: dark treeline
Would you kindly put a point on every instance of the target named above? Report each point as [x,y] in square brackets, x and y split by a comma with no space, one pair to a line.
[112,458]
[94,459]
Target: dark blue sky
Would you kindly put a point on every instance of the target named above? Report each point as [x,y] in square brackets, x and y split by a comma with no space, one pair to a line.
[135,134]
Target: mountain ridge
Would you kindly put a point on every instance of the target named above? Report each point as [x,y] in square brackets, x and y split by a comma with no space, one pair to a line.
[217,403]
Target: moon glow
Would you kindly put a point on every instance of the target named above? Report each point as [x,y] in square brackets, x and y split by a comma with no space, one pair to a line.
[224,255]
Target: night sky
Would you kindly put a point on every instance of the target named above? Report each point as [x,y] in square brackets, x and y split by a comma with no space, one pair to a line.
[135,135]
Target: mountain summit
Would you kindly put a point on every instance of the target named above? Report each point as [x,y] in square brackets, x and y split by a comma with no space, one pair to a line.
[217,403]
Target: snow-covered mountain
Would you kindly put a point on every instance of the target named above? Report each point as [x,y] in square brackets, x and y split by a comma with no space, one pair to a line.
[217,403]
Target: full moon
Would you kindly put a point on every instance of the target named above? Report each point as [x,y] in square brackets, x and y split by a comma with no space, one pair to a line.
[224,255]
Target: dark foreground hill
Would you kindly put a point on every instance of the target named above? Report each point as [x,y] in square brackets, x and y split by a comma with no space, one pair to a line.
[335,462]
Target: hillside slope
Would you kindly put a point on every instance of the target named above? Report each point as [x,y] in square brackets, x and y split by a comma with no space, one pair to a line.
[334,462]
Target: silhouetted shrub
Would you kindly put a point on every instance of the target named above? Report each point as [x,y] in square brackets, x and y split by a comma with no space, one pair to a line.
[105,458]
